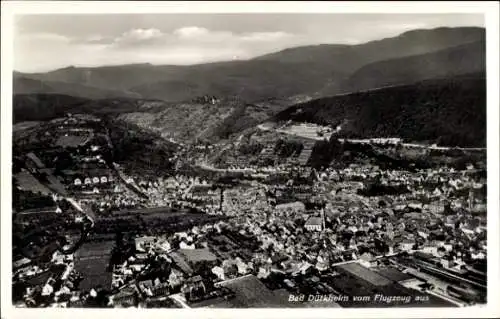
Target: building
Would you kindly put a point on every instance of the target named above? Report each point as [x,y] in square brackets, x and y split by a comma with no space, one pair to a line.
[367,260]
[20,263]
[397,276]
[430,249]
[367,275]
[126,297]
[314,224]
[447,262]
[72,141]
[34,162]
[161,289]
[194,288]
[468,231]
[422,233]
[291,207]
[188,260]
[267,153]
[89,177]
[306,152]
[27,182]
[406,244]
[144,243]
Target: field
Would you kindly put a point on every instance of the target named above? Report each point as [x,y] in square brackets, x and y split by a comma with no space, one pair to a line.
[307,130]
[92,260]
[24,125]
[28,182]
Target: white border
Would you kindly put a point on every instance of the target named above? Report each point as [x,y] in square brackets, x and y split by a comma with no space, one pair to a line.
[491,11]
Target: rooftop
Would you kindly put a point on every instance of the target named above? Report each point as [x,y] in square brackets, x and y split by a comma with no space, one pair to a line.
[71,140]
[366,274]
[291,205]
[393,274]
[35,159]
[26,181]
[197,255]
[314,221]
[186,258]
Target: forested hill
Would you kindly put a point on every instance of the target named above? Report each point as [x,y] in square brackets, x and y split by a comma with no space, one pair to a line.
[459,60]
[43,107]
[450,111]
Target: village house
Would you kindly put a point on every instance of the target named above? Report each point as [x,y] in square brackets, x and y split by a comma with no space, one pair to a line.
[314,224]
[367,260]
[430,249]
[447,262]
[143,244]
[423,233]
[126,297]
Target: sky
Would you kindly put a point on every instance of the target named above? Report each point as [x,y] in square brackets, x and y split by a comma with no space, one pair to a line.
[44,42]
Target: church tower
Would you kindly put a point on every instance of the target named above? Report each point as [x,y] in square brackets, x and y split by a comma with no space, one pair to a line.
[471,199]
[323,221]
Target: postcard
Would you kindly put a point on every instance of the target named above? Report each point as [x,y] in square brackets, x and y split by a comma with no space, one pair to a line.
[260,159]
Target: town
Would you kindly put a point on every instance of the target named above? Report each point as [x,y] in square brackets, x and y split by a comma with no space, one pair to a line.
[95,228]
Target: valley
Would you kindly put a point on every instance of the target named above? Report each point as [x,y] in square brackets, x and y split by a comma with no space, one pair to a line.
[315,176]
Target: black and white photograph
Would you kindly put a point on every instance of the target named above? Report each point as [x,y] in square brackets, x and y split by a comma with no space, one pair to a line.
[250,160]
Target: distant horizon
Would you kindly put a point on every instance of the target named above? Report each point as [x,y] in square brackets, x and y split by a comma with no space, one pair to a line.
[45,43]
[223,61]
[250,58]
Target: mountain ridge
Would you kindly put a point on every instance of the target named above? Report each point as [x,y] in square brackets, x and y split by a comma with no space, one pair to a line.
[406,33]
[321,69]
[463,59]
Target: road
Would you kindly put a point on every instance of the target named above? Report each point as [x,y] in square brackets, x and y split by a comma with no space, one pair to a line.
[315,138]
[132,186]
[413,145]
[221,170]
[343,263]
[435,147]
[180,299]
[263,128]
[79,208]
[357,260]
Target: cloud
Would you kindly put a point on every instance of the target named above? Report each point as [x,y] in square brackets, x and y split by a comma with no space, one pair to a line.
[142,34]
[191,32]
[193,36]
[186,45]
[399,27]
[139,36]
[266,36]
[44,36]
[95,39]
[44,42]
[206,35]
